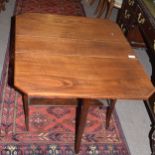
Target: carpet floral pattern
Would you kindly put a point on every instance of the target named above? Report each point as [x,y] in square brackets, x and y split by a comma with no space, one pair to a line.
[52,127]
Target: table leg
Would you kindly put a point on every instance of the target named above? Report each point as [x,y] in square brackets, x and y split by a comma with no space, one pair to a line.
[81,117]
[26,110]
[110,109]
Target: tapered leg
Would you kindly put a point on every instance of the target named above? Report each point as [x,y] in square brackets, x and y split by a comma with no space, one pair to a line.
[26,110]
[110,109]
[81,117]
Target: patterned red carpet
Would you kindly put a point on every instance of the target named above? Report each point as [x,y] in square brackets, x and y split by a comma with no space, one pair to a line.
[52,127]
[64,7]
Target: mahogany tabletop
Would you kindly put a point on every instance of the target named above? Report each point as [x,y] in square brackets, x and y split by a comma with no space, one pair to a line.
[76,57]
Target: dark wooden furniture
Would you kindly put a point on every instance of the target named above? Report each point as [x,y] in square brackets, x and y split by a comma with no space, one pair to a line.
[75,58]
[137,20]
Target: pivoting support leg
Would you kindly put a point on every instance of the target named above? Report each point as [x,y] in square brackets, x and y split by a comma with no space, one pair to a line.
[81,117]
[110,109]
[26,110]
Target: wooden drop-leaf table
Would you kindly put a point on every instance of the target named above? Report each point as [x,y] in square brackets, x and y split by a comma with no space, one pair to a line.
[75,58]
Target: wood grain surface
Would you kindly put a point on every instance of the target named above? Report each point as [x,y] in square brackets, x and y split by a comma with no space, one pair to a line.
[76,57]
